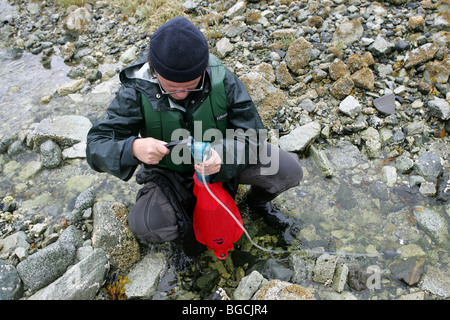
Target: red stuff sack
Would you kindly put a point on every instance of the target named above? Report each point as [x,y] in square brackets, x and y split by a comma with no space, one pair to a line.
[213,225]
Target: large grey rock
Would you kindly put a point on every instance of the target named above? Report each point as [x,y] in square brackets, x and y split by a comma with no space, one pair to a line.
[66,130]
[50,154]
[11,287]
[49,263]
[12,242]
[344,155]
[439,108]
[81,282]
[324,269]
[249,285]
[428,165]
[300,137]
[144,277]
[433,224]
[437,281]
[112,233]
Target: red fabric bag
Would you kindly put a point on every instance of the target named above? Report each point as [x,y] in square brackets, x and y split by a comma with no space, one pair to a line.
[213,225]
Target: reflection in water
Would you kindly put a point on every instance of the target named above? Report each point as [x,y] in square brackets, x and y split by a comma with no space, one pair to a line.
[23,83]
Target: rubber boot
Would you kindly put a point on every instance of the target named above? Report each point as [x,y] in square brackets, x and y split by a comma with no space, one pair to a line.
[260,201]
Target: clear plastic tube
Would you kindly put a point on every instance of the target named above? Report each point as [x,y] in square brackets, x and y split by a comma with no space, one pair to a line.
[280,251]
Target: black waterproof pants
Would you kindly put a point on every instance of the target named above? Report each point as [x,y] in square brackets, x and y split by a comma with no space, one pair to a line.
[164,206]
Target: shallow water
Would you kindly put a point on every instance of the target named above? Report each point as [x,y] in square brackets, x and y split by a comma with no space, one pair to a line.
[337,214]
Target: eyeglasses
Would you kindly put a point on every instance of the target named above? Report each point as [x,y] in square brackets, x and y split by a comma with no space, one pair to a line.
[180,91]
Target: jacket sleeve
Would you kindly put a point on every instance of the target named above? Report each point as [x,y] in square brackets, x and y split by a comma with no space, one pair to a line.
[111,136]
[243,118]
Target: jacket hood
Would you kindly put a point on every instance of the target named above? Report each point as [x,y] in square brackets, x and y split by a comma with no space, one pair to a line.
[137,74]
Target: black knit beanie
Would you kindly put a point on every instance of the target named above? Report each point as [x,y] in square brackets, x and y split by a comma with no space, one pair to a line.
[179,51]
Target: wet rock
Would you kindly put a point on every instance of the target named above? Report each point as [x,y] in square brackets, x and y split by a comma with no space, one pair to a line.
[358,279]
[322,161]
[48,264]
[428,165]
[404,163]
[66,130]
[11,287]
[12,242]
[372,140]
[340,277]
[302,267]
[208,281]
[111,233]
[145,275]
[344,155]
[433,223]
[379,190]
[76,151]
[427,189]
[281,290]
[71,87]
[409,271]
[50,154]
[389,175]
[272,269]
[81,282]
[6,141]
[85,200]
[437,282]
[324,269]
[249,285]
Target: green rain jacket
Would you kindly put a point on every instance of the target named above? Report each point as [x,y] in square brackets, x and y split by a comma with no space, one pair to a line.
[109,140]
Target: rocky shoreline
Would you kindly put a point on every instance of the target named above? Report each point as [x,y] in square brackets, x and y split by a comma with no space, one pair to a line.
[358,89]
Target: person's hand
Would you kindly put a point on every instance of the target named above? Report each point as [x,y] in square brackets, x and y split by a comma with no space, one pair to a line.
[149,150]
[210,166]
